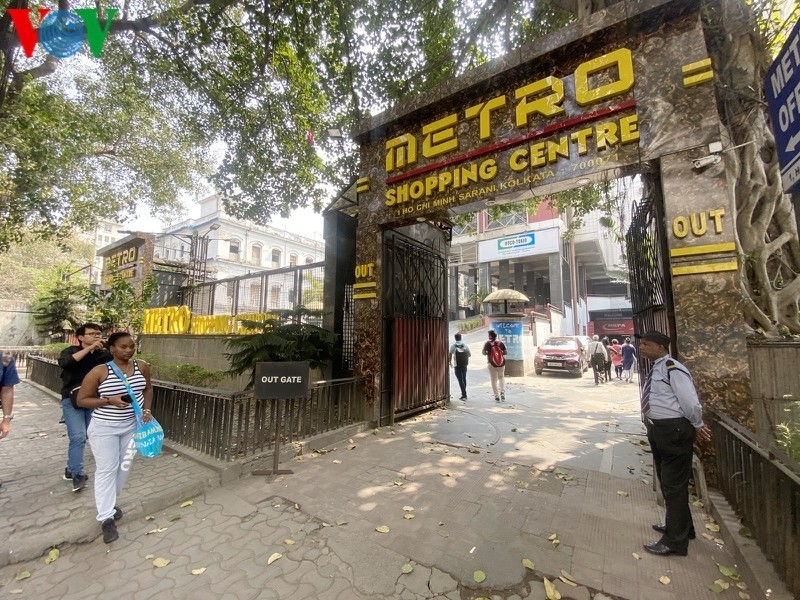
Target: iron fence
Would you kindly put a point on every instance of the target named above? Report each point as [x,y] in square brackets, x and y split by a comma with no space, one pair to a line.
[762,484]
[261,292]
[231,425]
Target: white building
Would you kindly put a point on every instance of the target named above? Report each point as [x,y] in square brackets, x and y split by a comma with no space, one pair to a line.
[234,247]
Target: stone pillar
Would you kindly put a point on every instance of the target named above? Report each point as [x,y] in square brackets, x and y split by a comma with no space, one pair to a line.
[453,296]
[519,277]
[710,333]
[503,278]
[556,280]
[530,286]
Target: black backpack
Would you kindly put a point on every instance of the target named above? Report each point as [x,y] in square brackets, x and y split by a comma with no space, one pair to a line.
[462,357]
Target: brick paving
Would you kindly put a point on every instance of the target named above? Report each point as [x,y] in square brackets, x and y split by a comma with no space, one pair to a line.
[487,486]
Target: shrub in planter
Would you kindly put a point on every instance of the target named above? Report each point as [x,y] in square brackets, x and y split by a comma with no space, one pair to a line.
[286,336]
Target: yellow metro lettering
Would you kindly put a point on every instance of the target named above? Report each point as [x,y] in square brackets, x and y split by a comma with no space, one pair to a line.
[622,59]
[547,106]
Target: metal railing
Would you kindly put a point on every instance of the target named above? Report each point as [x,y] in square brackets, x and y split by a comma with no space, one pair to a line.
[230,425]
[19,354]
[762,484]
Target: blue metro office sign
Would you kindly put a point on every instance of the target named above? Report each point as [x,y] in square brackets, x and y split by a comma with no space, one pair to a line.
[782,89]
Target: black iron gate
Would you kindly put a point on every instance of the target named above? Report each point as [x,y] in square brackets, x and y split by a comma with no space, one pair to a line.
[650,280]
[415,373]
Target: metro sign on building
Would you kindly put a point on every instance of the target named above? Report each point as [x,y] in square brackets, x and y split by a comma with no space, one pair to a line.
[782,88]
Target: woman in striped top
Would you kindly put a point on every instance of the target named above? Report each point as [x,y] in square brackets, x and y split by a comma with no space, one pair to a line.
[113,423]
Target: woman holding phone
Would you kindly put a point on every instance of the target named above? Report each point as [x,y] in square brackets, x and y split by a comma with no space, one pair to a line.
[110,433]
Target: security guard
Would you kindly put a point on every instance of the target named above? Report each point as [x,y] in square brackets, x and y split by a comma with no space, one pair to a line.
[674,418]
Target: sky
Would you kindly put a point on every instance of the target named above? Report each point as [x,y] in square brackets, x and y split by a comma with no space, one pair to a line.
[302,221]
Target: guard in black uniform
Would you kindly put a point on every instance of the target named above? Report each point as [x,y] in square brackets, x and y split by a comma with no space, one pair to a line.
[674,418]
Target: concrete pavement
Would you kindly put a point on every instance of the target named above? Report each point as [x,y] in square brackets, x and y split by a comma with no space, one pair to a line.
[558,475]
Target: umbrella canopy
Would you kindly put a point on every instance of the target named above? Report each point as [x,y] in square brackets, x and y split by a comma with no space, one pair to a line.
[504,296]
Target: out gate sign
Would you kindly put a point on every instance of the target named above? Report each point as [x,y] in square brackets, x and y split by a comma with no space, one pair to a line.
[281,380]
[782,90]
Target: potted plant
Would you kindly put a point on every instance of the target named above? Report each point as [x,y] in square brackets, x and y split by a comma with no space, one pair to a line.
[285,336]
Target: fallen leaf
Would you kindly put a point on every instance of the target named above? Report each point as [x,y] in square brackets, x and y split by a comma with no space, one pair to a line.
[175,455]
[722,583]
[51,556]
[712,527]
[621,493]
[382,529]
[324,524]
[159,530]
[446,474]
[729,572]
[408,516]
[552,537]
[289,542]
[719,541]
[407,568]
[528,564]
[398,482]
[187,503]
[697,504]
[149,518]
[479,576]
[745,532]
[708,536]
[174,518]
[408,508]
[22,575]
[149,556]
[161,562]
[567,575]
[296,506]
[443,533]
[636,556]
[716,588]
[568,582]
[273,557]
[16,591]
[341,522]
[664,579]
[744,595]
[556,542]
[350,441]
[741,585]
[550,590]
[337,462]
[199,571]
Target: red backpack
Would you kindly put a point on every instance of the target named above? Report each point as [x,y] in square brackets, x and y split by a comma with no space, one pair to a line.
[496,358]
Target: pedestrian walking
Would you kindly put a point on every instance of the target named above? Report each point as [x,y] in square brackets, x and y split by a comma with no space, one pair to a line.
[598,355]
[8,379]
[607,363]
[76,361]
[461,352]
[628,358]
[113,423]
[616,357]
[673,417]
[495,352]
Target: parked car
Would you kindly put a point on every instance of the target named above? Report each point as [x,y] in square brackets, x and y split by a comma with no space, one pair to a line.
[560,354]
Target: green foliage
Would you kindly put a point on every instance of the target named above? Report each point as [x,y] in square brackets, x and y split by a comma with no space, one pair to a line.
[122,305]
[59,305]
[469,324]
[787,433]
[282,338]
[52,351]
[476,298]
[182,373]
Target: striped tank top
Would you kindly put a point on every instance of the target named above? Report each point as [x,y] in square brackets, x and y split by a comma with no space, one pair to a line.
[113,386]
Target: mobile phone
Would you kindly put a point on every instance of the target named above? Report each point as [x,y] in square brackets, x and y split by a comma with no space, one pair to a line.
[127,398]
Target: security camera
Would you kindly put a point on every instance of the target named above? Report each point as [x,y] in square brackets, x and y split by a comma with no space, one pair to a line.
[706,161]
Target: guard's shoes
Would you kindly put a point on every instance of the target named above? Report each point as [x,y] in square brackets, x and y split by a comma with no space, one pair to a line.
[663,529]
[109,531]
[663,549]
[79,482]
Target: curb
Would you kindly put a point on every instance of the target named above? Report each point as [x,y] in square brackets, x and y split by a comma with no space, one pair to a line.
[749,557]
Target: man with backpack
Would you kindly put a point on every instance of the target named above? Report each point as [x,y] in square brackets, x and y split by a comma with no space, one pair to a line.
[598,355]
[462,354]
[495,352]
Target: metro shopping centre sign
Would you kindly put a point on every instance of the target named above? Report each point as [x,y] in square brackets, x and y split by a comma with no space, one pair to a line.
[547,121]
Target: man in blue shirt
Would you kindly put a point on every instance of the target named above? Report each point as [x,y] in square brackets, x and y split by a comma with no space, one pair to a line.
[674,418]
[8,379]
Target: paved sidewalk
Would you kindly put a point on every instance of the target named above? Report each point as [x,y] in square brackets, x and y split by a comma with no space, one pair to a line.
[38,509]
[481,493]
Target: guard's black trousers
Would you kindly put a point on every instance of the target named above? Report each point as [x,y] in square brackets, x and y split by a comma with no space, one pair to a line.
[672,441]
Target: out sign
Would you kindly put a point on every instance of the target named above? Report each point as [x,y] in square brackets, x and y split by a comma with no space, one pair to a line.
[698,223]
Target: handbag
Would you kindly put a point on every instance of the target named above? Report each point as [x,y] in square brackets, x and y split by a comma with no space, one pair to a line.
[73,397]
[148,437]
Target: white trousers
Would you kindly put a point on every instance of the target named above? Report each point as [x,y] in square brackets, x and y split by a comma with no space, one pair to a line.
[113,450]
[498,377]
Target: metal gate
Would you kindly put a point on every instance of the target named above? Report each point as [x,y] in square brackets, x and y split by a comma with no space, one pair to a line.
[651,284]
[415,373]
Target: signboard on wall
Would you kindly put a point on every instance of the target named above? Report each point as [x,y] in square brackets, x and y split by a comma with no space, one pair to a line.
[782,91]
[529,243]
[281,380]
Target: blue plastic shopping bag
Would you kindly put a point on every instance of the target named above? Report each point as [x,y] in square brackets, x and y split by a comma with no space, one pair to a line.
[148,438]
